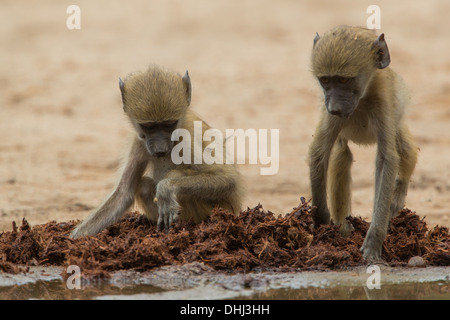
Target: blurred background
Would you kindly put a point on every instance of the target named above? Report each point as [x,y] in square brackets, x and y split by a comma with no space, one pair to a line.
[62,128]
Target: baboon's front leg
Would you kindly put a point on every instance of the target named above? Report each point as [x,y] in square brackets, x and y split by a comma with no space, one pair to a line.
[386,171]
[168,206]
[319,156]
[121,198]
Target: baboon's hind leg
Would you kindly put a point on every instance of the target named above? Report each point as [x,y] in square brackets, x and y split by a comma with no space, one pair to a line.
[339,180]
[407,151]
[144,199]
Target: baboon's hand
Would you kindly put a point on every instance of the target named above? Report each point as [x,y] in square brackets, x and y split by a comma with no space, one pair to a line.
[168,207]
[76,233]
[372,246]
[83,229]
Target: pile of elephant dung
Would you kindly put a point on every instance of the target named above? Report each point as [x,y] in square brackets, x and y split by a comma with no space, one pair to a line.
[253,240]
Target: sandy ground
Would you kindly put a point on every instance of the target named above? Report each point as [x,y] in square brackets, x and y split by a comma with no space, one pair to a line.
[62,128]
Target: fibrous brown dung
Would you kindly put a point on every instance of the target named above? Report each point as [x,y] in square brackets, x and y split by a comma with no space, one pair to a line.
[253,240]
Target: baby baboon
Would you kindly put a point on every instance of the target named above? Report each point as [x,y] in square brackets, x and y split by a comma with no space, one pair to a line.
[365,102]
[156,102]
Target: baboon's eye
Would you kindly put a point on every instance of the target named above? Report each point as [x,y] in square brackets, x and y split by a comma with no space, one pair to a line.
[148,125]
[170,125]
[343,80]
[324,80]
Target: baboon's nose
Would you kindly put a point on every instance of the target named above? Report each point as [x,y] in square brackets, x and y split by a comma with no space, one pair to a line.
[160,154]
[336,113]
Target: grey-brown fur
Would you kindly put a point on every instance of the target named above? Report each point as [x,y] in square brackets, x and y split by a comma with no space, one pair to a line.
[365,100]
[164,191]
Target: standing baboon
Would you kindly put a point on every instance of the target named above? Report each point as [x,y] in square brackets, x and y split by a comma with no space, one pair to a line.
[156,102]
[365,102]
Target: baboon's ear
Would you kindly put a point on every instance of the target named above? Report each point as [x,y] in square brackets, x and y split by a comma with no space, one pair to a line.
[187,83]
[122,92]
[316,38]
[382,58]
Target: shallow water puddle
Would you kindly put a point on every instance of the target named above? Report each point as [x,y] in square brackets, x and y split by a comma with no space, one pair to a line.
[404,291]
[57,290]
[192,282]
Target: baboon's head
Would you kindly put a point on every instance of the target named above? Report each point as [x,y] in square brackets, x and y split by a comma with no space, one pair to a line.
[155,101]
[344,61]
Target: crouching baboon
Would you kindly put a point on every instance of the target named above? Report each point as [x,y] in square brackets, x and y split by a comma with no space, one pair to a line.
[364,102]
[157,103]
